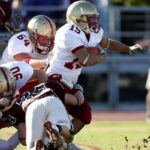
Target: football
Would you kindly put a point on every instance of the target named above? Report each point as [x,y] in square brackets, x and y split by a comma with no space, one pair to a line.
[93,50]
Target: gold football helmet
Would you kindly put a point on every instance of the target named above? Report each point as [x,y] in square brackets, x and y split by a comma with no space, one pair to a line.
[7,85]
[41,31]
[85,15]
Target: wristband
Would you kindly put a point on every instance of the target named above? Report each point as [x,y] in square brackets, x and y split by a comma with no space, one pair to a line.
[108,44]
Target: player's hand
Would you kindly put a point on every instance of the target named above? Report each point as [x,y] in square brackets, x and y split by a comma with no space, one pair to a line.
[136,49]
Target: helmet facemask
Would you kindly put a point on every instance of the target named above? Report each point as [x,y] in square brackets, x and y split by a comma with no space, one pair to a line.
[7,87]
[41,31]
[4,102]
[89,23]
[85,15]
[43,44]
[6,99]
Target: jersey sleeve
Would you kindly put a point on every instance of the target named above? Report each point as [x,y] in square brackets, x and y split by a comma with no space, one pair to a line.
[70,40]
[27,70]
[17,46]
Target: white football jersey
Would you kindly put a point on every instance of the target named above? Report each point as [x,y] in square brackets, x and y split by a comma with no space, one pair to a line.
[67,40]
[21,71]
[20,43]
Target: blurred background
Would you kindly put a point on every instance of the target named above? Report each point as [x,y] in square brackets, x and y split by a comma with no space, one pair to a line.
[119,82]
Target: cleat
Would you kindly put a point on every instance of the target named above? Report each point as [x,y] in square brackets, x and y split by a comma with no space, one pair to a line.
[53,135]
[39,145]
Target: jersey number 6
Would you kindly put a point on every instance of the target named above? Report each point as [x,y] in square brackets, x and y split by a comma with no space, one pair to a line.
[23,37]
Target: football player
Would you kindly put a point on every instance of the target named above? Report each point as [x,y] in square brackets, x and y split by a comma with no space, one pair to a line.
[33,45]
[11,81]
[45,108]
[13,76]
[70,53]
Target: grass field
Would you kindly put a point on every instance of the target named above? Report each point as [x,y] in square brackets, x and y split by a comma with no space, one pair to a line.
[108,135]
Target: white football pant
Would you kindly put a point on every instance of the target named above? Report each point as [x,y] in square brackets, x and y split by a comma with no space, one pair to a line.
[46,109]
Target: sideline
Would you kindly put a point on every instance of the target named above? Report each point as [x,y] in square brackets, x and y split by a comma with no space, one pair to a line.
[118,116]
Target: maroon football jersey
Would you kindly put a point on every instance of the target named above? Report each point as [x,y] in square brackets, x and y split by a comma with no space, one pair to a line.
[12,117]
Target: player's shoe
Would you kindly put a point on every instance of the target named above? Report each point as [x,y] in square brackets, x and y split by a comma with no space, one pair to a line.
[39,145]
[53,135]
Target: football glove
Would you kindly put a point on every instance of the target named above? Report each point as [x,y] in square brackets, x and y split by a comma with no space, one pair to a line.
[136,49]
[78,87]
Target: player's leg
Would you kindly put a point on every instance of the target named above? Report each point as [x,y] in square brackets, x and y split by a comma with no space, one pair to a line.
[81,115]
[35,116]
[148,98]
[148,106]
[58,116]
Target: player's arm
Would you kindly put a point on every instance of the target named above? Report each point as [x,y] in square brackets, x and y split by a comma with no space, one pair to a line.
[87,59]
[39,75]
[11,143]
[77,98]
[35,63]
[120,47]
[22,133]
[69,99]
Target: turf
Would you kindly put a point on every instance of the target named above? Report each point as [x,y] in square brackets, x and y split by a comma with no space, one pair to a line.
[109,135]
[116,135]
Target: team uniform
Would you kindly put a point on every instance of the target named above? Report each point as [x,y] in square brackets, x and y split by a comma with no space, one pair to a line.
[69,38]
[47,106]
[41,103]
[20,43]
[22,73]
[15,115]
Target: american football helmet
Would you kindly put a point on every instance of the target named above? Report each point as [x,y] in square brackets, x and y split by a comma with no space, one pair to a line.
[42,31]
[85,15]
[7,86]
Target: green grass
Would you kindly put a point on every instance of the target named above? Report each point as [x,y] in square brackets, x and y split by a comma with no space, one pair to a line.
[109,135]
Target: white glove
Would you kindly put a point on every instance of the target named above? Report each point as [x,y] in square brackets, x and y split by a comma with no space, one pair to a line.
[79,87]
[136,49]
